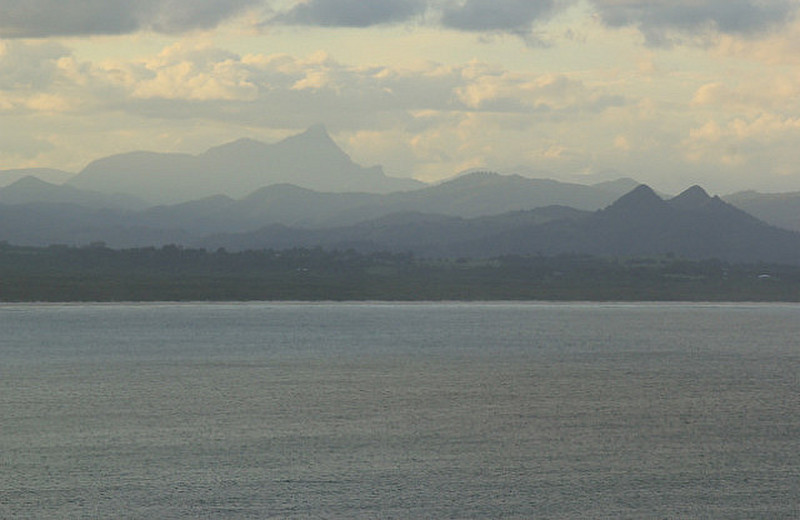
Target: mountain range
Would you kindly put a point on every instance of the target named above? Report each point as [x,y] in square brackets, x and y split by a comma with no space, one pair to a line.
[779,209]
[692,225]
[310,159]
[249,195]
[32,211]
[640,223]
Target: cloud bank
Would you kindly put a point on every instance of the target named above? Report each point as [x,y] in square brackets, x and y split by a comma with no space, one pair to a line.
[351,13]
[46,18]
[657,20]
[515,16]
[430,120]
[723,107]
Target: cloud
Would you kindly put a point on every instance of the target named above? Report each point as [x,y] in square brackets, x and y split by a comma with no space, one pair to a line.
[193,73]
[45,18]
[423,118]
[555,95]
[448,117]
[765,144]
[35,77]
[29,66]
[659,20]
[351,13]
[209,82]
[513,16]
[509,16]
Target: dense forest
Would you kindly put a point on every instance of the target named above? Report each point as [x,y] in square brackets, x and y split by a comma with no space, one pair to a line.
[174,273]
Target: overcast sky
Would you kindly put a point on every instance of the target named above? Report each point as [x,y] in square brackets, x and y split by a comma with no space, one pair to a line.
[670,92]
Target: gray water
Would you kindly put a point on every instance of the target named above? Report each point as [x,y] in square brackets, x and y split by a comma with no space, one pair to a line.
[400,411]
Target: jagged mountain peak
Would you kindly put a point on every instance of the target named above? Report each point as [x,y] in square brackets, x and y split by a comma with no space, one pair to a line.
[641,198]
[310,159]
[315,137]
[691,198]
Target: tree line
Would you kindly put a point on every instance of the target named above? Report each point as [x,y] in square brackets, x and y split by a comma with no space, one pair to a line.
[174,273]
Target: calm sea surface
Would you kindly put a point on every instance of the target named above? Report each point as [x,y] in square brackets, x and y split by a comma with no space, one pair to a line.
[528,410]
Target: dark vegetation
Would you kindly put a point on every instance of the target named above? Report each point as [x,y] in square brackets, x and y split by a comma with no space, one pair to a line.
[173,273]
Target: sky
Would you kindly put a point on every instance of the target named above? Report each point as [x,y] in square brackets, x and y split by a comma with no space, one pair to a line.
[669,92]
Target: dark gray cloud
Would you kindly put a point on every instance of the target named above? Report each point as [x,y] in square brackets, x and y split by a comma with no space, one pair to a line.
[43,18]
[351,13]
[661,21]
[514,16]
[657,18]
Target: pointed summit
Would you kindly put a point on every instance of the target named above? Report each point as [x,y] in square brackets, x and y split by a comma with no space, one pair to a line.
[641,199]
[691,198]
[314,145]
[316,134]
[311,160]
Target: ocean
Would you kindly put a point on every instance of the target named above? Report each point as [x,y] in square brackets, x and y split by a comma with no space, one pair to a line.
[400,410]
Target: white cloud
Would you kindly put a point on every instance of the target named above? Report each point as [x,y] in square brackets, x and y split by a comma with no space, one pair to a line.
[765,145]
[194,74]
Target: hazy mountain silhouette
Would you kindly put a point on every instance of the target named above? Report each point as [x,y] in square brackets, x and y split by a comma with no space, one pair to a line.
[34,190]
[50,175]
[277,204]
[778,209]
[691,225]
[467,216]
[488,193]
[45,224]
[475,194]
[310,159]
[470,195]
[422,233]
